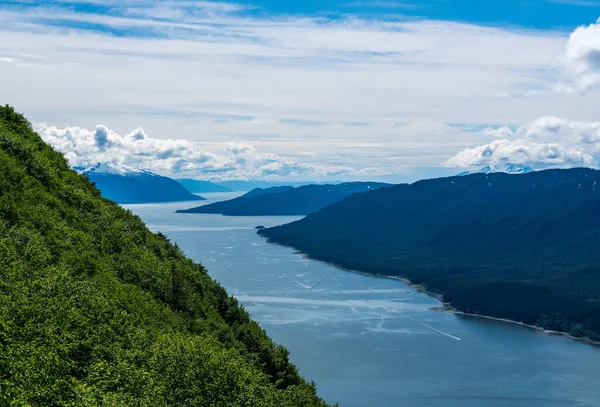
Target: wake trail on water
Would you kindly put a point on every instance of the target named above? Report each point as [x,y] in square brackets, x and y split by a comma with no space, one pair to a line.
[295,284]
[456,338]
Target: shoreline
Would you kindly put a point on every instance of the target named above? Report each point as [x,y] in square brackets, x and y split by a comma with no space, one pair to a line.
[532,327]
[445,307]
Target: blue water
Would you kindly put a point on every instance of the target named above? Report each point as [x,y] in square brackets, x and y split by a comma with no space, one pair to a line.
[369,341]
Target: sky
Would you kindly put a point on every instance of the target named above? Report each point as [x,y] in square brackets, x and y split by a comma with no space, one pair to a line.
[308,90]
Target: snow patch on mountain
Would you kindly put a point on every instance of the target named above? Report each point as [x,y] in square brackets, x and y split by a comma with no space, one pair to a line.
[116,169]
[505,168]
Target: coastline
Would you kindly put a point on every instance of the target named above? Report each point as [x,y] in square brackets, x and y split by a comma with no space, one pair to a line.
[445,307]
[533,327]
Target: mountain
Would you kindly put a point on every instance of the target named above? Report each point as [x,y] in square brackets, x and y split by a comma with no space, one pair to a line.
[198,187]
[126,185]
[239,185]
[95,310]
[520,247]
[505,168]
[282,201]
[267,191]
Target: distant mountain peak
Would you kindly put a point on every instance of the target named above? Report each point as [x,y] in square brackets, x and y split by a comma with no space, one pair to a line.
[507,168]
[108,168]
[127,185]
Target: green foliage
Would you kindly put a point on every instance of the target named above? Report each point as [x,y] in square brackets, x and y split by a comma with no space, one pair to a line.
[96,310]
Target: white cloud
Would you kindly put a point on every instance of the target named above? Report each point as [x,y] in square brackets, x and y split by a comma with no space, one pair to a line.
[582,59]
[546,142]
[522,152]
[84,148]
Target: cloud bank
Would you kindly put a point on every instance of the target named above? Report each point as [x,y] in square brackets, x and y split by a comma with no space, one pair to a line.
[175,157]
[545,142]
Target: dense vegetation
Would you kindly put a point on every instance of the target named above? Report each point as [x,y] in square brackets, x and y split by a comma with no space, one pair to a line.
[286,200]
[522,247]
[144,188]
[97,310]
[199,187]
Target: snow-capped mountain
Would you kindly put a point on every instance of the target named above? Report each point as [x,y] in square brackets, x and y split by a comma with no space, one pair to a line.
[505,168]
[116,169]
[127,185]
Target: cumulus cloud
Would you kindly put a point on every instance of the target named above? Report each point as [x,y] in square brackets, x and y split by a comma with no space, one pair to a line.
[545,142]
[582,58]
[85,148]
[177,157]
[522,152]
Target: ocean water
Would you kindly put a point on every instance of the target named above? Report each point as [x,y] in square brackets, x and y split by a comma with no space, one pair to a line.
[370,341]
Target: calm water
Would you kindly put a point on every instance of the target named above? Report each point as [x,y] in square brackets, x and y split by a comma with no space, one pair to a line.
[370,341]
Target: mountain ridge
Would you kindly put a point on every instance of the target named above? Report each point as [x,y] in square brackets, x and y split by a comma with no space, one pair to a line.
[127,185]
[108,168]
[199,186]
[507,168]
[285,201]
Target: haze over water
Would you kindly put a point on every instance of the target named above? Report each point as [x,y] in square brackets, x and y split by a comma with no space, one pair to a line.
[369,341]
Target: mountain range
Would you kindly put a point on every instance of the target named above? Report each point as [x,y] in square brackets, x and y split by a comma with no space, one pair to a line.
[520,247]
[199,187]
[126,185]
[249,185]
[505,168]
[286,200]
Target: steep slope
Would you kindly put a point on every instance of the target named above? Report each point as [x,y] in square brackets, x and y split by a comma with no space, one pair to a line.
[198,187]
[127,185]
[523,247]
[291,201]
[97,310]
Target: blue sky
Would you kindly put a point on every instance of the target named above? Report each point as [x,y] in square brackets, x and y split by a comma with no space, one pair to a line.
[538,14]
[395,90]
[528,14]
[532,14]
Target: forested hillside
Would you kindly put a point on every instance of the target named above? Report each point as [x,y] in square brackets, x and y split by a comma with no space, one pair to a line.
[522,247]
[95,310]
[286,200]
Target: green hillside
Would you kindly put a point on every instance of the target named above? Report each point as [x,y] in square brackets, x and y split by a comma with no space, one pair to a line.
[95,310]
